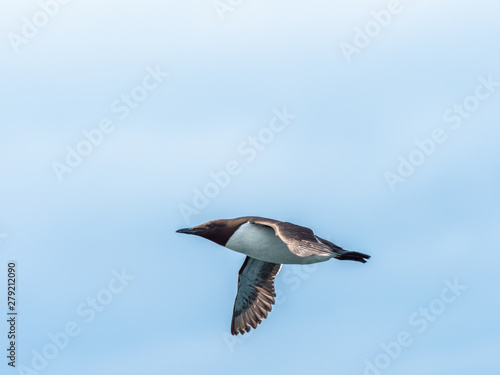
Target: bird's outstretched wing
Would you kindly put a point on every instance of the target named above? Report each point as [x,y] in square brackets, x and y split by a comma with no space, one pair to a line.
[300,240]
[255,294]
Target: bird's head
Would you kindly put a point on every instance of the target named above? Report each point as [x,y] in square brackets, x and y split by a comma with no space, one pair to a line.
[217,231]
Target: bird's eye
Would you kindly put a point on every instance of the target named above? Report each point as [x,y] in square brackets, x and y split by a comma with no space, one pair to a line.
[210,225]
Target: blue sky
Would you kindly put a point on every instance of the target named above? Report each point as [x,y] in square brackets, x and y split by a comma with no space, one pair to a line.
[423,303]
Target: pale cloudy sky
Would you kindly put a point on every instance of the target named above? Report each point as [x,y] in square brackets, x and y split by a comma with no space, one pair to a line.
[432,234]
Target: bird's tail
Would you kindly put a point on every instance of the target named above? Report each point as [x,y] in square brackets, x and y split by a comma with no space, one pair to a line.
[353,255]
[342,254]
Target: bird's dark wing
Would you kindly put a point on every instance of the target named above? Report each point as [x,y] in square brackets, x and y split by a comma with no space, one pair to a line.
[255,294]
[300,240]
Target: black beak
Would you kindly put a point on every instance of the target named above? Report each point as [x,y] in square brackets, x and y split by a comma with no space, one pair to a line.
[188,231]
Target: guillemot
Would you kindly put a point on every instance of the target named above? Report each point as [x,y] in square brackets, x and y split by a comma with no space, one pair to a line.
[267,244]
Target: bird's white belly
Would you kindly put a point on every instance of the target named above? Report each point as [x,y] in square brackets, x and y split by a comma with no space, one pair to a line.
[260,242]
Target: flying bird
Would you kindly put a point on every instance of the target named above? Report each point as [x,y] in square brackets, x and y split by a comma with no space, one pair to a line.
[267,244]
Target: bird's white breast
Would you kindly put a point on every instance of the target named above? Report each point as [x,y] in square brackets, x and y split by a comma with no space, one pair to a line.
[260,242]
